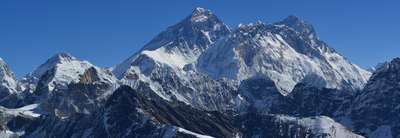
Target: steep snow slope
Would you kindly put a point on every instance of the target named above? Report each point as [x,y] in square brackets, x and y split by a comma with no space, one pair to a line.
[288,52]
[180,44]
[8,83]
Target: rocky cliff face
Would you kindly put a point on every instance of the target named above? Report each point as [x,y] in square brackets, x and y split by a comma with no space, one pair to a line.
[376,109]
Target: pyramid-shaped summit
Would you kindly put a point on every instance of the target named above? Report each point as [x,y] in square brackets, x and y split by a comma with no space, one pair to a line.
[180,44]
[55,61]
[201,15]
[299,25]
[198,30]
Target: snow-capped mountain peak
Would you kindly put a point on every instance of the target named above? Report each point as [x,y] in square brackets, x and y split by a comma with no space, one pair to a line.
[8,81]
[200,10]
[63,57]
[201,15]
[288,52]
[180,44]
[62,69]
[195,32]
[54,61]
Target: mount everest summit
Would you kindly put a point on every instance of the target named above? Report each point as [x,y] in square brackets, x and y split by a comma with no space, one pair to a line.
[202,78]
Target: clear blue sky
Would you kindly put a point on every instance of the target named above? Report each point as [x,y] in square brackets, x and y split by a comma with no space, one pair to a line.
[105,32]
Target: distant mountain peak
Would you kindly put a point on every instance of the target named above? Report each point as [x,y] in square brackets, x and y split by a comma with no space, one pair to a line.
[182,43]
[200,10]
[299,25]
[288,51]
[62,57]
[199,29]
[62,69]
[52,62]
[201,15]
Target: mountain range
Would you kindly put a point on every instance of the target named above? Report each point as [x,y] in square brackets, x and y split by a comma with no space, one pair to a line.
[202,78]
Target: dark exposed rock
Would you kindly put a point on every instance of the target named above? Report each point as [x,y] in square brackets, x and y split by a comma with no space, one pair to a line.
[177,114]
[378,105]
[128,113]
[90,76]
[306,100]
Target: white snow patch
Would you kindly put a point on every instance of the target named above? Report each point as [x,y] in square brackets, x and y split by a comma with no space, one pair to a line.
[322,125]
[207,35]
[200,15]
[173,58]
[182,130]
[26,110]
[8,134]
[200,18]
